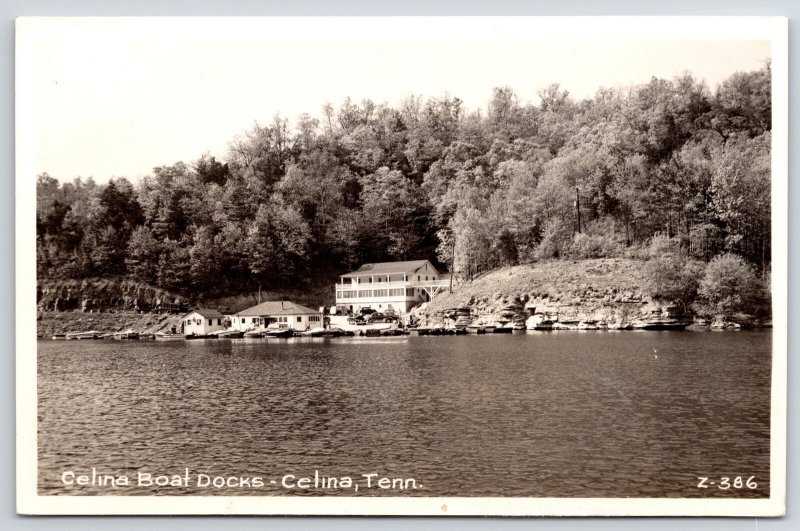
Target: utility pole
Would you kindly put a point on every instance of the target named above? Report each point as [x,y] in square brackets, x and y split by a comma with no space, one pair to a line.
[578,208]
[453,261]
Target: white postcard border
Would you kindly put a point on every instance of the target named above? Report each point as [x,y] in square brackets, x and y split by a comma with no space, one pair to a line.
[774,29]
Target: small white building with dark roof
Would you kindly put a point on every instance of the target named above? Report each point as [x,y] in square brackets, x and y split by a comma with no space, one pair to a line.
[382,286]
[203,322]
[282,312]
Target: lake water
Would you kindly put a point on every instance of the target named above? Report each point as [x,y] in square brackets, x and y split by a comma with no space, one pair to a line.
[567,414]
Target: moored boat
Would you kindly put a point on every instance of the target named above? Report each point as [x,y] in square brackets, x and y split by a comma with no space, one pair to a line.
[91,334]
[127,334]
[228,334]
[660,324]
[59,337]
[280,332]
[326,332]
[168,336]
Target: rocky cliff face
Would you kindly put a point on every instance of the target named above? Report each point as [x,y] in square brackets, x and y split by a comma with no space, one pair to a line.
[97,295]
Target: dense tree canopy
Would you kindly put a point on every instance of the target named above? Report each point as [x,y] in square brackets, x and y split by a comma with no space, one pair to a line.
[430,179]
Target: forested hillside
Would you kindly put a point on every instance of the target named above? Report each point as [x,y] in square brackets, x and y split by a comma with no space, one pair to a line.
[297,203]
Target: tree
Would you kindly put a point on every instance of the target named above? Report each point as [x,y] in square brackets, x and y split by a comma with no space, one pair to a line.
[741,197]
[730,285]
[209,170]
[142,256]
[671,275]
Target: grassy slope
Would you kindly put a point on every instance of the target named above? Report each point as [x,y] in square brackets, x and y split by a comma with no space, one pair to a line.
[563,280]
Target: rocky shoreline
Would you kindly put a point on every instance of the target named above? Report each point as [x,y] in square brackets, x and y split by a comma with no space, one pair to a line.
[558,295]
[571,295]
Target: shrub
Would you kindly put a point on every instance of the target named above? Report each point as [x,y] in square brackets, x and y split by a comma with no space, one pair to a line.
[602,239]
[730,285]
[661,245]
[673,278]
[556,239]
[670,274]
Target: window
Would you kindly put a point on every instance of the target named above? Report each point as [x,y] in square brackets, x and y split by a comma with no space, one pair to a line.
[299,319]
[426,277]
[219,321]
[210,322]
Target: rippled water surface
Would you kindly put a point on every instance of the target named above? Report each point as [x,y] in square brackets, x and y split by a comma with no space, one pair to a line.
[553,414]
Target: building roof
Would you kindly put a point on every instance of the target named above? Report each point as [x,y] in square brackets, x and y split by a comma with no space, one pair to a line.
[277,308]
[388,268]
[208,313]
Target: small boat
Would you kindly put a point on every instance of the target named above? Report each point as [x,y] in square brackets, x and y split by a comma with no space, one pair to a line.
[660,324]
[59,337]
[200,336]
[588,325]
[228,334]
[127,334]
[92,334]
[258,332]
[280,332]
[168,336]
[505,329]
[326,332]
[420,331]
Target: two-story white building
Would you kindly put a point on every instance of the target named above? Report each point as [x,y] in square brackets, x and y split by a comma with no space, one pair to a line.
[281,312]
[397,286]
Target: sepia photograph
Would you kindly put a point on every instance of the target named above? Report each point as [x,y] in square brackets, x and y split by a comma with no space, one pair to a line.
[401,265]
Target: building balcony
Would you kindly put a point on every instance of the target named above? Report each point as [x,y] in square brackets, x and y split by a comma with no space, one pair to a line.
[440,283]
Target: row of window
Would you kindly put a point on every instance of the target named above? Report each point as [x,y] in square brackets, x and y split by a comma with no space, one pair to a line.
[362,293]
[190,322]
[380,279]
[254,320]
